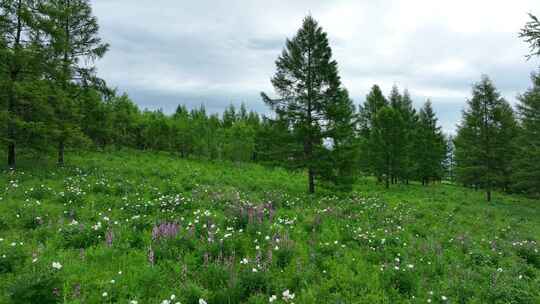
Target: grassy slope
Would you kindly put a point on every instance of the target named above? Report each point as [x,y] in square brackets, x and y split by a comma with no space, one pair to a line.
[409,244]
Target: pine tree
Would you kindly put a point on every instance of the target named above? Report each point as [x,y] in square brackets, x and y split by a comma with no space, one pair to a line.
[429,146]
[307,82]
[386,143]
[75,45]
[482,149]
[526,177]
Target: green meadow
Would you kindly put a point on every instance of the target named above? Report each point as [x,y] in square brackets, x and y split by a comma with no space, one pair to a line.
[148,227]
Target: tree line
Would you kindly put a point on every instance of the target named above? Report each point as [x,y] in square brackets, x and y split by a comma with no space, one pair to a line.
[52,98]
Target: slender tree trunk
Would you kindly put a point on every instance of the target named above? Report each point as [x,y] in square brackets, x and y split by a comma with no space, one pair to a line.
[61,149]
[14,75]
[387,181]
[11,130]
[311,180]
[488,195]
[11,155]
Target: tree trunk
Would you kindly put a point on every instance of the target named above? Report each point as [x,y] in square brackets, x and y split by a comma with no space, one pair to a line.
[61,149]
[387,182]
[311,181]
[488,195]
[11,155]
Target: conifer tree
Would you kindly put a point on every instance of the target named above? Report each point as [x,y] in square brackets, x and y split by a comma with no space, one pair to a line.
[482,149]
[307,82]
[375,100]
[526,177]
[75,45]
[429,146]
[340,129]
[410,118]
[367,112]
[229,116]
[386,143]
[21,86]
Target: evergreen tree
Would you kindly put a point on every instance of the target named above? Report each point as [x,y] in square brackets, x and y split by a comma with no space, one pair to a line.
[75,45]
[482,149]
[429,146]
[367,113]
[375,100]
[183,132]
[307,82]
[526,177]
[229,116]
[386,143]
[404,106]
[275,143]
[21,86]
[343,153]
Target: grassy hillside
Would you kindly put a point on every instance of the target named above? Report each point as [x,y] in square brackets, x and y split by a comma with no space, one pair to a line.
[143,227]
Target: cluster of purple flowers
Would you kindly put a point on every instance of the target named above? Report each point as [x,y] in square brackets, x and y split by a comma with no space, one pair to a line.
[165,230]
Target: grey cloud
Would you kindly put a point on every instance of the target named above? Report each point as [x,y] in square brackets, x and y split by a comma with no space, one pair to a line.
[168,52]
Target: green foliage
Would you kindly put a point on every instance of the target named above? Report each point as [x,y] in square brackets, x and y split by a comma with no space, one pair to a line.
[386,144]
[482,146]
[526,173]
[42,286]
[531,34]
[429,147]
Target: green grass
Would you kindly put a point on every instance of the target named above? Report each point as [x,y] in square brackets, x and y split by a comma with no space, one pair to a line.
[246,232]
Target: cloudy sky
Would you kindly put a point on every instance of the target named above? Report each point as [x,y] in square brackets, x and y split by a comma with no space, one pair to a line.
[169,52]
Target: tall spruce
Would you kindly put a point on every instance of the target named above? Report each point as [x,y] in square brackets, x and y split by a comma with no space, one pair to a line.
[307,83]
[482,146]
[526,177]
[429,146]
[75,46]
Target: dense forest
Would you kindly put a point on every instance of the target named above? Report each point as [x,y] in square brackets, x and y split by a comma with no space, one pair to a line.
[52,100]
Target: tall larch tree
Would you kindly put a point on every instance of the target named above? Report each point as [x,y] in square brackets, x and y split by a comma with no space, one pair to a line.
[76,45]
[482,146]
[307,82]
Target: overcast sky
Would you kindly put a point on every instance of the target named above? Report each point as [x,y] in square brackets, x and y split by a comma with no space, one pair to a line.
[169,52]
